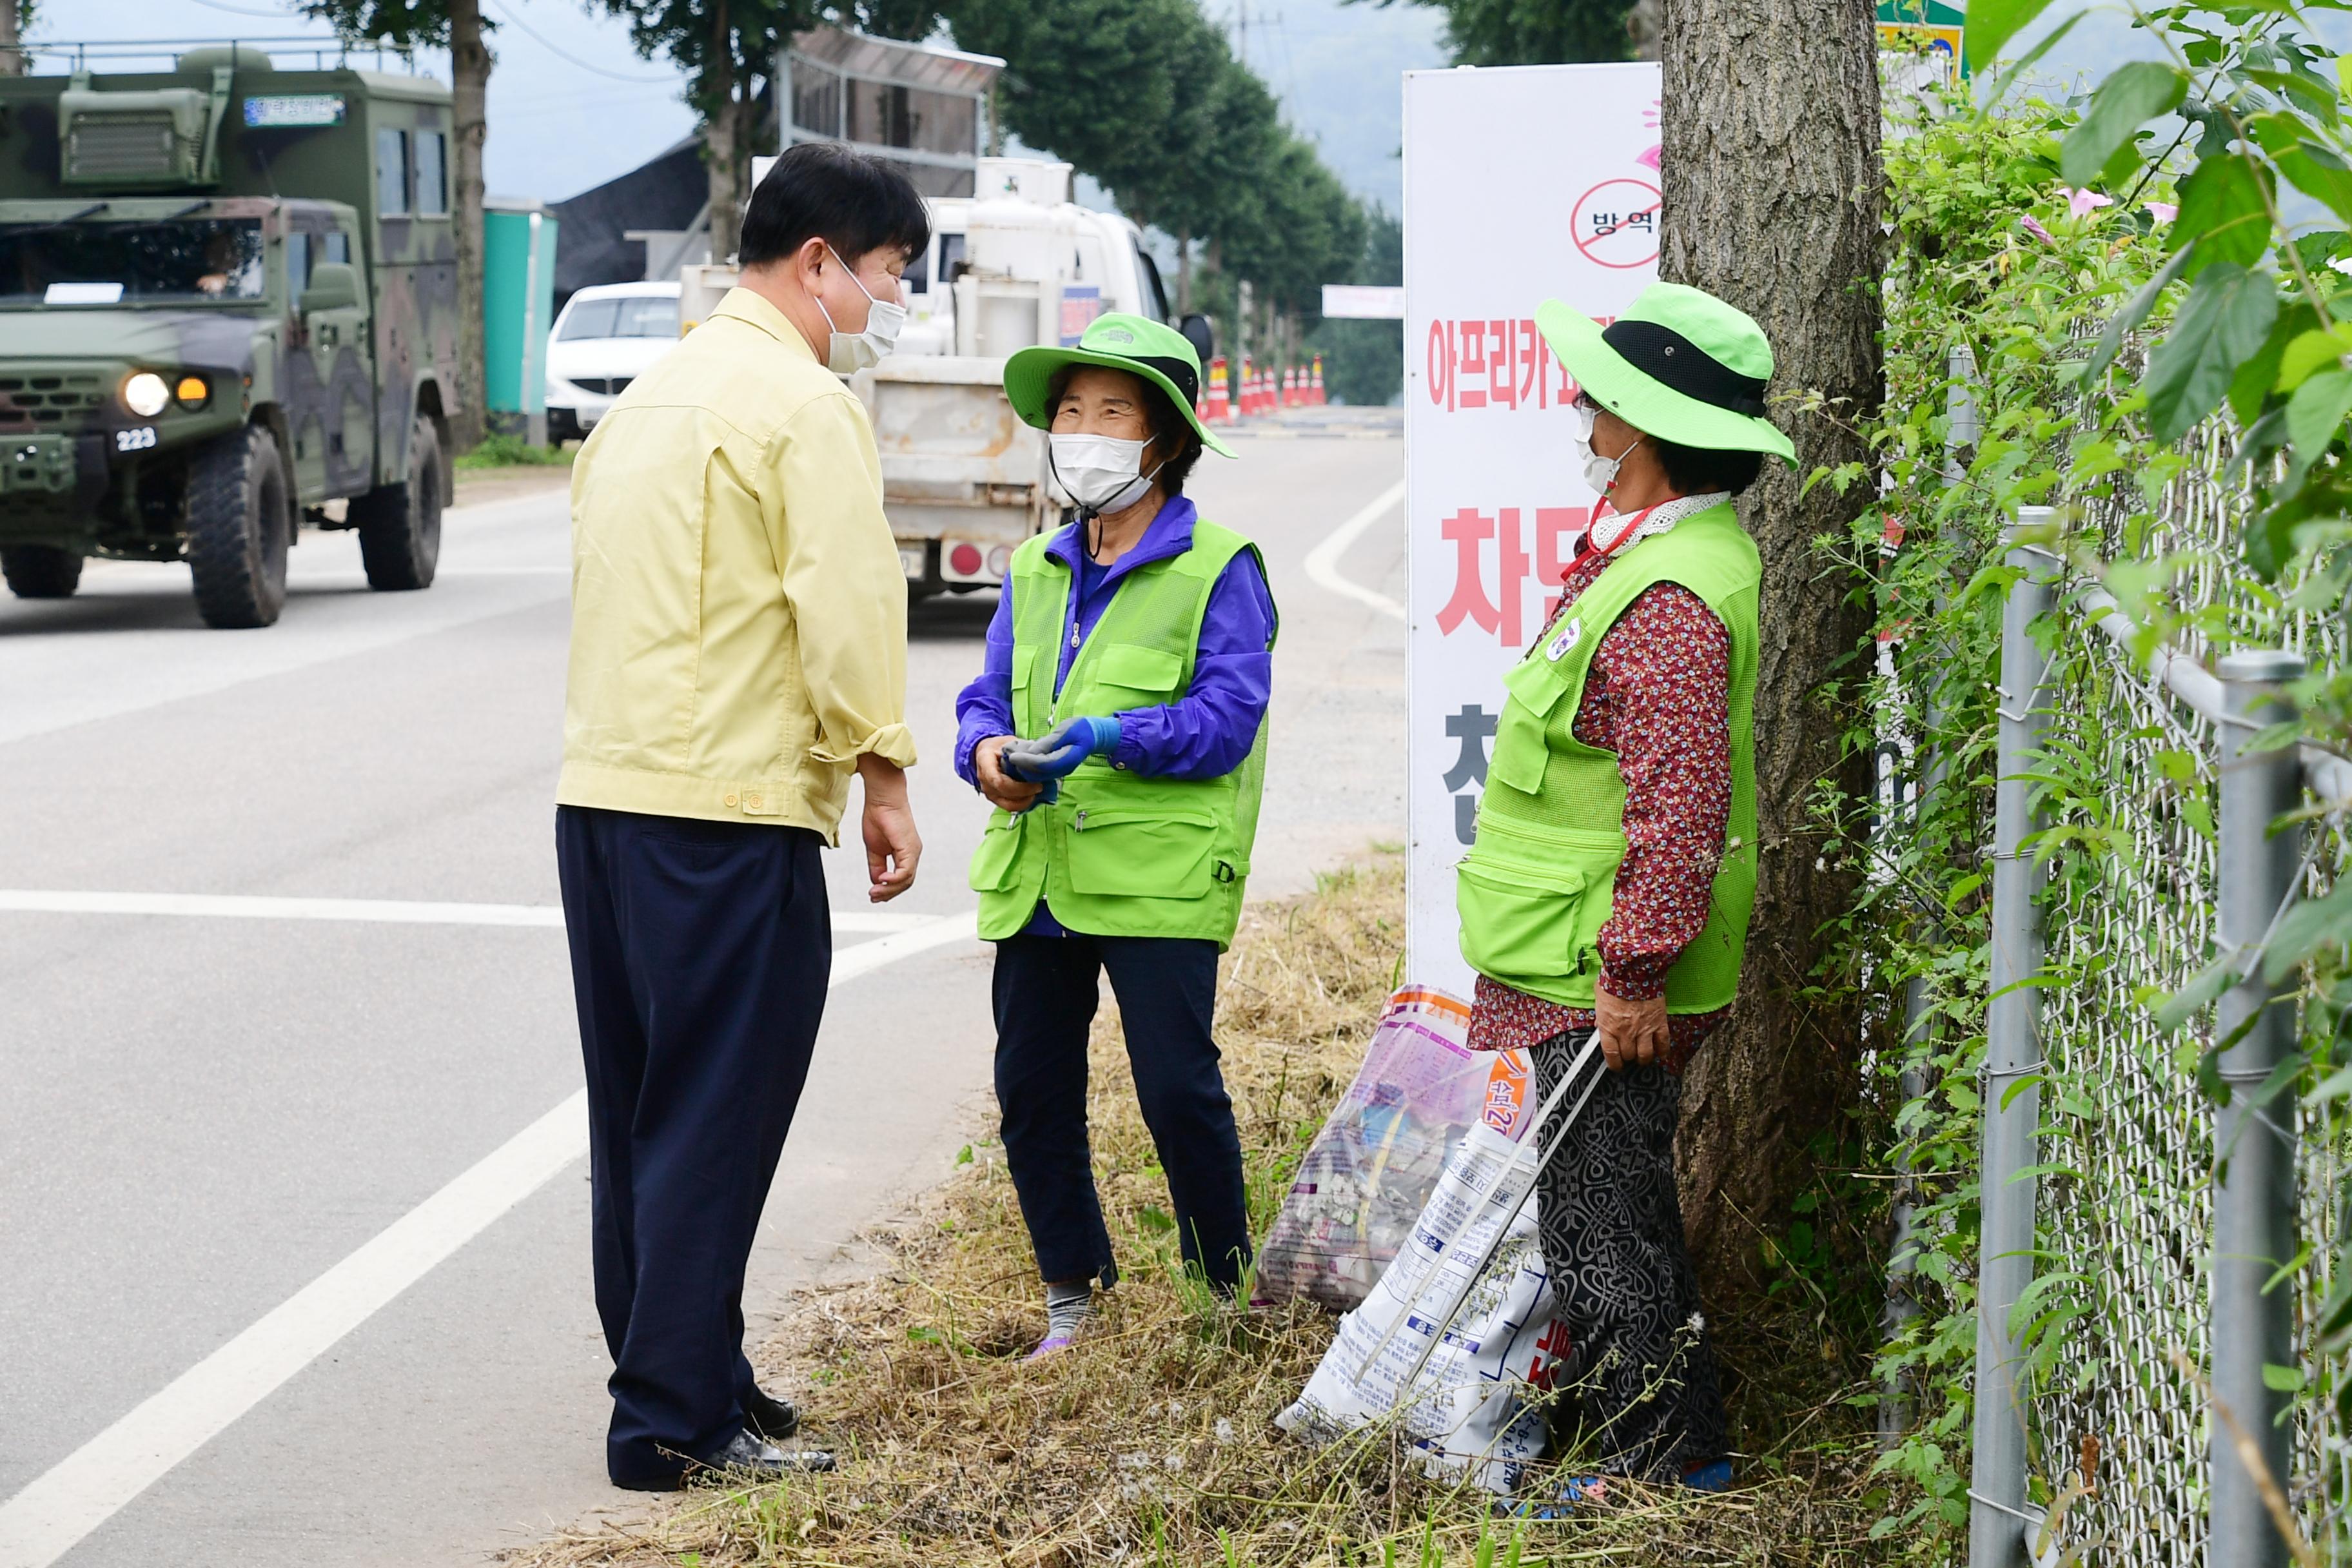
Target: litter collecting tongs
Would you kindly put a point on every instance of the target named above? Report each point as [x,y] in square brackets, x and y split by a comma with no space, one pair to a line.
[1544,1152]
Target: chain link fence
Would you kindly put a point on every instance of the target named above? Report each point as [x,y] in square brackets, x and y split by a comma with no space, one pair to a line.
[2122,1281]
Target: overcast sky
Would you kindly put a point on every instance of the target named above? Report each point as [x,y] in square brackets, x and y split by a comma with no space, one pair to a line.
[572,105]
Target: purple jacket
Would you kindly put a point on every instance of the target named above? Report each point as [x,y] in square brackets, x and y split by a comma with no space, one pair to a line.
[1204,734]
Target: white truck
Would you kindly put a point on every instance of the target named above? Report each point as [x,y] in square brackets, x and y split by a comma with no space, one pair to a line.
[1015,264]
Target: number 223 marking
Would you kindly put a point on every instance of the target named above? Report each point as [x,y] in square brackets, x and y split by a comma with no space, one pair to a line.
[136,439]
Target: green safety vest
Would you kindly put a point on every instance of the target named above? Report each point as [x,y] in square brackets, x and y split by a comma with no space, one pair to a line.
[1541,877]
[1120,854]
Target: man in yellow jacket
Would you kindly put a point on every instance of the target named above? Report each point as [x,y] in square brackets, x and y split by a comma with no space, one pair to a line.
[739,647]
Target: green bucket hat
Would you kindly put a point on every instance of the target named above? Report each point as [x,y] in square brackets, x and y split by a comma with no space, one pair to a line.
[1136,344]
[1679,364]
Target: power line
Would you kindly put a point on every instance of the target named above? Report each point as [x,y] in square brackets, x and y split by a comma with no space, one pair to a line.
[240,10]
[559,54]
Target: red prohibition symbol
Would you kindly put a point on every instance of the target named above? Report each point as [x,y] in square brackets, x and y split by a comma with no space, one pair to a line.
[1615,223]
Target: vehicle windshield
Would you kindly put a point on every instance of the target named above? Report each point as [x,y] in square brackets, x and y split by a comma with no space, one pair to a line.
[180,261]
[626,316]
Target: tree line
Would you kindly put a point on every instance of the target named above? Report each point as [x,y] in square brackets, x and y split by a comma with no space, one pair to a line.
[1145,96]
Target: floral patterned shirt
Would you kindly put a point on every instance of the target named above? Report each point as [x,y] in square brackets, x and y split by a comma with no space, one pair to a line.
[1658,694]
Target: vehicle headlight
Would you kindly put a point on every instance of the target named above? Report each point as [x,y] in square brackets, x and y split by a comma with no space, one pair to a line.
[145,395]
[192,392]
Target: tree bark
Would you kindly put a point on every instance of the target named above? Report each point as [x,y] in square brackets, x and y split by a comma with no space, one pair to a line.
[13,60]
[1772,180]
[722,139]
[469,69]
[1184,274]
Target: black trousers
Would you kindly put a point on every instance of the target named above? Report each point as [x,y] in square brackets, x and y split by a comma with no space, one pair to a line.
[1047,990]
[1639,1379]
[700,952]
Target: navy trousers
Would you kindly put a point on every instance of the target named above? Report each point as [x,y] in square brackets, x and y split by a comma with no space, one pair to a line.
[701,952]
[1047,990]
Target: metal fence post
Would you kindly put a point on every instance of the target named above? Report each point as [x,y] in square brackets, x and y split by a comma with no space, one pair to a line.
[1998,1516]
[1961,435]
[2254,1147]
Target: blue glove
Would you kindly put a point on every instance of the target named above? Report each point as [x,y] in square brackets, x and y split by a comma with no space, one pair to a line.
[1058,755]
[1049,760]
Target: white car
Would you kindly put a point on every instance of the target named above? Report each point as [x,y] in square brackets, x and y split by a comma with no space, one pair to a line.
[607,336]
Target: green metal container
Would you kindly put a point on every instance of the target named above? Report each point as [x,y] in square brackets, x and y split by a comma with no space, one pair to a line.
[518,307]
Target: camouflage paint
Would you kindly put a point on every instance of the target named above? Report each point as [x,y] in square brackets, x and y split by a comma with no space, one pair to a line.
[343,413]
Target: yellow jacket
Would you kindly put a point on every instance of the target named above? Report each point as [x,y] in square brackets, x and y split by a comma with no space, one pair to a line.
[738,615]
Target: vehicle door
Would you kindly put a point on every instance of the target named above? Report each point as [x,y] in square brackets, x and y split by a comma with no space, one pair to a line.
[335,447]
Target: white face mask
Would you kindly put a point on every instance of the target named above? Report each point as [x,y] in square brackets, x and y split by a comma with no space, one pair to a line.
[1102,473]
[1599,472]
[853,351]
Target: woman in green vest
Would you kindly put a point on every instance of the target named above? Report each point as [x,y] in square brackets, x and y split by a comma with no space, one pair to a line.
[1118,726]
[1609,884]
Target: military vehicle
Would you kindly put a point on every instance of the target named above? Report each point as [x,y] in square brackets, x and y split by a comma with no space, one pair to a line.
[228,298]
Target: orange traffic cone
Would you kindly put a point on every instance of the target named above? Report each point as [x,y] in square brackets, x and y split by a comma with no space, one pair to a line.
[1315,387]
[1221,403]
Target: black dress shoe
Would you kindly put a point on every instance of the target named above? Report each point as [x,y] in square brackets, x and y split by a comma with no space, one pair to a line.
[768,1417]
[744,1457]
[747,1458]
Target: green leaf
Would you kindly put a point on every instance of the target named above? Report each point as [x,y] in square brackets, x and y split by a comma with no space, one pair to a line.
[963,1156]
[2282,1379]
[2225,209]
[1992,23]
[2224,322]
[2315,414]
[2309,352]
[1155,1218]
[2321,173]
[2306,929]
[2209,982]
[2125,320]
[2132,95]
[2320,246]
[2251,386]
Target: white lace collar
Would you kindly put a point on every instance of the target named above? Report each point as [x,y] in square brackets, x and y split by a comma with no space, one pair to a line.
[1614,530]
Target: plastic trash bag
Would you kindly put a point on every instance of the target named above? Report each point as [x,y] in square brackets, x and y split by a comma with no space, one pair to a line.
[1472,1404]
[1457,1341]
[1365,1178]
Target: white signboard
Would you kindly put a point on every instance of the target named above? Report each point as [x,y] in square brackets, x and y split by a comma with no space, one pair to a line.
[1521,183]
[1363,302]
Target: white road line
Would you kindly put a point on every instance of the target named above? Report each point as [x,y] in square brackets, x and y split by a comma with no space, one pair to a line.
[90,1486]
[387,911]
[1323,561]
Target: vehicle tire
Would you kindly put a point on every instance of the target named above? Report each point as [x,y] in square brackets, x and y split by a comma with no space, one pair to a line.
[40,571]
[400,524]
[240,521]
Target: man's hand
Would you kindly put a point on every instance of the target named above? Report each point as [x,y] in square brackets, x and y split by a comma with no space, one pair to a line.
[1632,1034]
[1000,787]
[892,845]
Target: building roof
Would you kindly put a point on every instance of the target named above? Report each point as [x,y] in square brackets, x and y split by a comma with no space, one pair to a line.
[934,66]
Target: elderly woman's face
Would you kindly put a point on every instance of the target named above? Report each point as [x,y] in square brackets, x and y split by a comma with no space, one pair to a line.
[1099,402]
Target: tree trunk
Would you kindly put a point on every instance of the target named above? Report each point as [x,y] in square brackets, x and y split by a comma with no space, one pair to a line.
[469,69]
[722,154]
[13,60]
[1183,274]
[722,138]
[1772,180]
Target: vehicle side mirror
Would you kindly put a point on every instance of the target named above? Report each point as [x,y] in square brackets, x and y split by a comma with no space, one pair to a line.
[334,286]
[1201,335]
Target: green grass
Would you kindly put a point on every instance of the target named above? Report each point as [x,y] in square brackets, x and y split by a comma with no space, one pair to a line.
[503,451]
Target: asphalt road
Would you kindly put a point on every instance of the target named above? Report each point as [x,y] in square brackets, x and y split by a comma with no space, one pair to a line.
[204,1111]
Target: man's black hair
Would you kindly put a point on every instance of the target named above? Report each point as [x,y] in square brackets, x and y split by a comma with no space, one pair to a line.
[819,191]
[1170,430]
[1703,471]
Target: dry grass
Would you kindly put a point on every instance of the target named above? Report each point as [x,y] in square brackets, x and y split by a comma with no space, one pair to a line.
[1151,1442]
